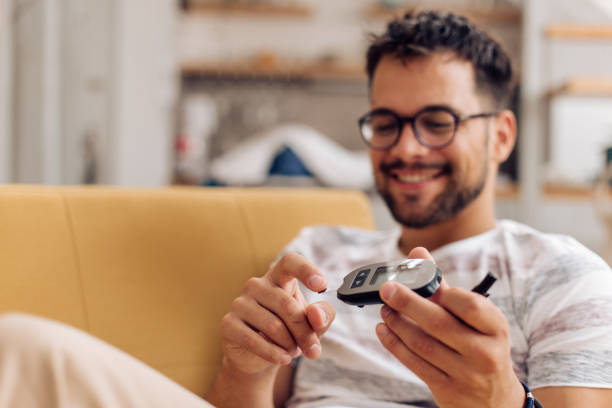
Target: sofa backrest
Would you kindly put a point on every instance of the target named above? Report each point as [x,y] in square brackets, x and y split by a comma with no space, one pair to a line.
[152,271]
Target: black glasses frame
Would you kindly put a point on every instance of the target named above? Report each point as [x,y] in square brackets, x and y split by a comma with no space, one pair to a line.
[402,120]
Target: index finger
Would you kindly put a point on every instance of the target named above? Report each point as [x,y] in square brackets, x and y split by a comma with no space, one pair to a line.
[474,310]
[295,266]
[431,317]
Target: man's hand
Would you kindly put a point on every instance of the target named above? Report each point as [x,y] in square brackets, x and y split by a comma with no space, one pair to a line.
[271,323]
[457,342]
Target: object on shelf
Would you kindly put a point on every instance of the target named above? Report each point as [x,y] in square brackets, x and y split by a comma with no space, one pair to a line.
[91,157]
[250,163]
[391,3]
[580,128]
[274,67]
[584,86]
[579,31]
[199,121]
[485,15]
[250,8]
[603,202]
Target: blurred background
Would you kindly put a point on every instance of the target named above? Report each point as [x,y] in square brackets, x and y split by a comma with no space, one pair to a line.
[268,92]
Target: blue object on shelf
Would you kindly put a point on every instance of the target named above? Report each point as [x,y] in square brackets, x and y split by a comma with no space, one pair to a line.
[287,163]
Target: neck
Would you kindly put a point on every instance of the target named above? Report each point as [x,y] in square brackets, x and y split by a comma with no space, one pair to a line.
[476,218]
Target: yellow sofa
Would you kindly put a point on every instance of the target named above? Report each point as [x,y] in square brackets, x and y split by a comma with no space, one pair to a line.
[152,271]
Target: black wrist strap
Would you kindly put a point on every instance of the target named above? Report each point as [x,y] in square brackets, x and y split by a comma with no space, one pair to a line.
[530,402]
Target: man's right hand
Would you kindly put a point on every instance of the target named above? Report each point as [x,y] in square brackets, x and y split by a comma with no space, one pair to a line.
[271,323]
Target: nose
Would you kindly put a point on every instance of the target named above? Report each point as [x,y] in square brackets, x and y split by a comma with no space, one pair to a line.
[408,145]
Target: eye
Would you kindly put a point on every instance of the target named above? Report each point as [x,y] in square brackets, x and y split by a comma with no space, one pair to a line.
[438,126]
[436,122]
[384,129]
[383,125]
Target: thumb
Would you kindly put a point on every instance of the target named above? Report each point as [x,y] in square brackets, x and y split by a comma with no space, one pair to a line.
[420,253]
[320,316]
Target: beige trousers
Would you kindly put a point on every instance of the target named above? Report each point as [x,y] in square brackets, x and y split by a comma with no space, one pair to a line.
[49,364]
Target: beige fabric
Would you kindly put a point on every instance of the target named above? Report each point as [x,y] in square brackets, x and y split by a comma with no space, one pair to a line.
[152,271]
[51,365]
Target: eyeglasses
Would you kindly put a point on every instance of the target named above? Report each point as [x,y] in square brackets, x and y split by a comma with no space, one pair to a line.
[433,126]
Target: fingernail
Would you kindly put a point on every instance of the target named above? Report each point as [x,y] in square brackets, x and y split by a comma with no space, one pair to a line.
[387,291]
[285,359]
[313,350]
[323,316]
[385,311]
[316,282]
[382,330]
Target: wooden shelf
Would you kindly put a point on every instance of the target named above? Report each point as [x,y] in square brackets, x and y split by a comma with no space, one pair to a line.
[248,8]
[485,16]
[577,31]
[550,191]
[601,87]
[274,70]
[511,191]
[557,191]
[554,191]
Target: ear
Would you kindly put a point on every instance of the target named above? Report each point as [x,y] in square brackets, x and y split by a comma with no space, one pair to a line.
[504,135]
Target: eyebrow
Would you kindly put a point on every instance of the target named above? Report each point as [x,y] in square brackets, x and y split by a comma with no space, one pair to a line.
[435,106]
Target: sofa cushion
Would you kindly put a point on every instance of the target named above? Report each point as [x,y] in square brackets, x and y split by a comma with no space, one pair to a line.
[152,271]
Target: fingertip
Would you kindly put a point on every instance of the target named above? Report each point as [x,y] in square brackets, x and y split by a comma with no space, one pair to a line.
[316,316]
[313,352]
[317,283]
[420,253]
[382,330]
[285,359]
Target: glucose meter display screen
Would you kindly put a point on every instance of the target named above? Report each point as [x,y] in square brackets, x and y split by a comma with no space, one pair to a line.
[380,275]
[405,273]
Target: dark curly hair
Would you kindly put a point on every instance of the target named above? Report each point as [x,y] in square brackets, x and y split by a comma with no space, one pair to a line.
[428,32]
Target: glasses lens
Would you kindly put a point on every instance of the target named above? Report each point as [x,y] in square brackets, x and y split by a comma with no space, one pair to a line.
[380,130]
[435,127]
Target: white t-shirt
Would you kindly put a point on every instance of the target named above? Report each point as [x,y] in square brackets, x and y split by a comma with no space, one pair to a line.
[555,293]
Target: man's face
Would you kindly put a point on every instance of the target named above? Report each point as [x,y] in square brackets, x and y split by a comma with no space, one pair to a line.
[424,186]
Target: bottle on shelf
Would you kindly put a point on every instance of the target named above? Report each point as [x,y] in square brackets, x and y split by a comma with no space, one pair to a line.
[603,202]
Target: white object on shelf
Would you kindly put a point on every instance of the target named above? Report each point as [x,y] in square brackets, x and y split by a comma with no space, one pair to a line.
[603,204]
[330,163]
[200,120]
[580,130]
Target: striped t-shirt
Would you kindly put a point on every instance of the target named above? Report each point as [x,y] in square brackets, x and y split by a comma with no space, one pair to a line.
[555,293]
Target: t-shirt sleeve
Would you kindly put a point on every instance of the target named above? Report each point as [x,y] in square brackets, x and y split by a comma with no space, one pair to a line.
[301,243]
[569,323]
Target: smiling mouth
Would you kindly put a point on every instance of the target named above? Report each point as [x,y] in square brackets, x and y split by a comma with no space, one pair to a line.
[419,176]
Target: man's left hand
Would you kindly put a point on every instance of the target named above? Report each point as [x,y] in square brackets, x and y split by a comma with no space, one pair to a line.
[457,342]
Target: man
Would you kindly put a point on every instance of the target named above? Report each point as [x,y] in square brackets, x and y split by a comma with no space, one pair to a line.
[437,130]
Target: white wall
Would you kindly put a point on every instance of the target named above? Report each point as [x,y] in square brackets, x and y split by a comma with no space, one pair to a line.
[6,89]
[86,75]
[27,98]
[143,94]
[88,70]
[33,131]
[546,64]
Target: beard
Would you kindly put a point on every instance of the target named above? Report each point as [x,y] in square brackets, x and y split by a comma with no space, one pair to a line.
[444,206]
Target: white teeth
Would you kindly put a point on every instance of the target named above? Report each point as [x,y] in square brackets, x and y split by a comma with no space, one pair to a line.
[414,178]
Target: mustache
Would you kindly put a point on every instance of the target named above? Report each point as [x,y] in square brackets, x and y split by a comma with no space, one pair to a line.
[417,165]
